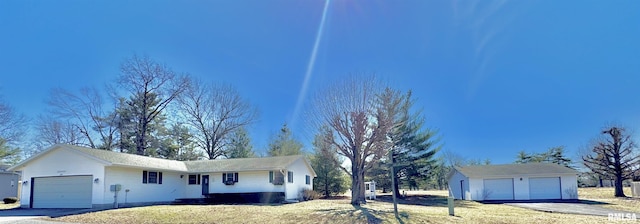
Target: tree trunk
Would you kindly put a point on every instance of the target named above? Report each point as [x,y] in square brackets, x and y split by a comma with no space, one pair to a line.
[618,187]
[396,185]
[357,186]
[600,179]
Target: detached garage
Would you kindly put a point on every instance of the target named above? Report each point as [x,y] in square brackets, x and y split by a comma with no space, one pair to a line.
[532,181]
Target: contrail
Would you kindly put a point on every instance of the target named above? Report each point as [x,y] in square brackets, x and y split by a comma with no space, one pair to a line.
[312,61]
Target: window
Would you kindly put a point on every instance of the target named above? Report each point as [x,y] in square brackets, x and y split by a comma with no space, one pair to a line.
[276,178]
[290,176]
[194,179]
[151,177]
[229,178]
[307,179]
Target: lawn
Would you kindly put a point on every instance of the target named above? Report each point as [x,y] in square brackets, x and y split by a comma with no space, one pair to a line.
[424,207]
[605,195]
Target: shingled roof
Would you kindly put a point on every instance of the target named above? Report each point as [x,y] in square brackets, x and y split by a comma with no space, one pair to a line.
[514,169]
[218,165]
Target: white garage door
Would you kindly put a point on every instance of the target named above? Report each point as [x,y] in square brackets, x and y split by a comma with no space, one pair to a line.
[498,189]
[544,188]
[62,192]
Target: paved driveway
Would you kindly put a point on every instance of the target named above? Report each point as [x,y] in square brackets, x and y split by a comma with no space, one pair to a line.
[570,208]
[19,215]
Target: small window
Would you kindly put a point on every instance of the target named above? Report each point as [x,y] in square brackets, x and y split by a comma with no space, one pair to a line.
[276,178]
[194,179]
[229,178]
[151,177]
[307,179]
[290,176]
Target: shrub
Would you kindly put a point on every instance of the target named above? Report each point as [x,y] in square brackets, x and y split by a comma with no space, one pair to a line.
[10,200]
[308,194]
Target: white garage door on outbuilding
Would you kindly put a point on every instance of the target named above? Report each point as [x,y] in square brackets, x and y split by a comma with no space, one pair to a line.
[62,192]
[498,189]
[544,188]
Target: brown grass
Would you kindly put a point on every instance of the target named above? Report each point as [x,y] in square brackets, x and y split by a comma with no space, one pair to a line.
[606,195]
[432,209]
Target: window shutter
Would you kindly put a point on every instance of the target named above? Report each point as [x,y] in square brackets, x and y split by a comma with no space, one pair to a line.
[270,176]
[224,177]
[235,178]
[144,177]
[198,179]
[159,177]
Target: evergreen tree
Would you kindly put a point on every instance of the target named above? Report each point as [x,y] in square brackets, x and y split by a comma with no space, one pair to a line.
[330,180]
[413,146]
[284,144]
[8,154]
[240,145]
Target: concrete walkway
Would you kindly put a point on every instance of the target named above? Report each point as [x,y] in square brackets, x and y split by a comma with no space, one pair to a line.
[569,208]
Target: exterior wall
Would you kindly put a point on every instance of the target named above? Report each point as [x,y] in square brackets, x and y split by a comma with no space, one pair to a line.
[476,189]
[455,189]
[248,182]
[521,188]
[569,184]
[8,184]
[62,162]
[172,186]
[195,190]
[300,170]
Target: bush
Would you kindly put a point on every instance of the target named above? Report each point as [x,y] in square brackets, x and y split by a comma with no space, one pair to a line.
[308,194]
[10,200]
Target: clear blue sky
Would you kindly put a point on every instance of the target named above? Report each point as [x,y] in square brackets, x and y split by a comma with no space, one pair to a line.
[494,77]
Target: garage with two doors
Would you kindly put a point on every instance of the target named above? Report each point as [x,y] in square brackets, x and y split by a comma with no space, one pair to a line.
[534,181]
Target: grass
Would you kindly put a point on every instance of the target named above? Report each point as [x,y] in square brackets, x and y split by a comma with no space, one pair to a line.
[605,195]
[429,207]
[4,206]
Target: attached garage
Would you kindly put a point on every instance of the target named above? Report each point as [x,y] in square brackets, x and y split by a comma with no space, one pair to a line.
[544,188]
[498,189]
[61,192]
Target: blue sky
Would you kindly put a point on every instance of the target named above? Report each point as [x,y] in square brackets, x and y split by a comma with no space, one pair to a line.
[494,77]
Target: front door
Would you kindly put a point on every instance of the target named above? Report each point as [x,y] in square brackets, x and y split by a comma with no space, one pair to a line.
[205,184]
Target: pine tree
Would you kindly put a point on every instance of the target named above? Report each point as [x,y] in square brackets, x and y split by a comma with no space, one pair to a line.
[284,144]
[330,180]
[240,145]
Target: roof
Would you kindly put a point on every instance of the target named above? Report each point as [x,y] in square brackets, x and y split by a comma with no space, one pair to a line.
[514,169]
[218,165]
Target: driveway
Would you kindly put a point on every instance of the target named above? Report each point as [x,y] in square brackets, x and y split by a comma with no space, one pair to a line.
[570,208]
[20,215]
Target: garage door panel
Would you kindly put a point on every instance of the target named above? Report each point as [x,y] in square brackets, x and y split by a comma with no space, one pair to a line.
[498,189]
[544,188]
[62,192]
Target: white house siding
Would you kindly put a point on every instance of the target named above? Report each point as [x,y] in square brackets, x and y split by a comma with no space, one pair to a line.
[476,187]
[569,186]
[195,190]
[172,186]
[63,162]
[455,189]
[248,182]
[300,170]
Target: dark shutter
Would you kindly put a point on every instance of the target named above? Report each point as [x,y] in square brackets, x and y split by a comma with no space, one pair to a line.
[224,177]
[235,178]
[198,179]
[144,177]
[270,176]
[159,177]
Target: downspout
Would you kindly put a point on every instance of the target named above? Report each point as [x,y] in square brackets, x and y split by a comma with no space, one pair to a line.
[462,189]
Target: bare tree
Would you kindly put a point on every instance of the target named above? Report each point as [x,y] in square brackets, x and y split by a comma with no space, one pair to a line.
[614,156]
[52,131]
[85,112]
[214,112]
[151,87]
[11,123]
[357,125]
